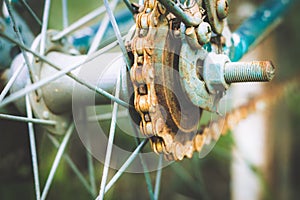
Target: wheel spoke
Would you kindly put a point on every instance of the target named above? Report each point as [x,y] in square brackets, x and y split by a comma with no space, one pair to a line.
[72,165]
[62,72]
[147,178]
[158,178]
[78,24]
[45,26]
[125,165]
[27,119]
[117,33]
[32,12]
[144,165]
[21,41]
[101,30]
[11,82]
[108,116]
[57,160]
[35,167]
[91,172]
[65,13]
[110,141]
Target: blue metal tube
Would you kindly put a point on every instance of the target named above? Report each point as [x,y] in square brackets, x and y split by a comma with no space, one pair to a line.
[255,27]
[82,39]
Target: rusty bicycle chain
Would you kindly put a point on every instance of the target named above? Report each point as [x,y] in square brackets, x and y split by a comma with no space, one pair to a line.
[152,27]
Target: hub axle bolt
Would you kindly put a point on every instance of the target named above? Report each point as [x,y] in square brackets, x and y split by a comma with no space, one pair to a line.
[256,71]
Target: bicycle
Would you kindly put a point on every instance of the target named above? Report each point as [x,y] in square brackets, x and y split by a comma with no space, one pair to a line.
[54,115]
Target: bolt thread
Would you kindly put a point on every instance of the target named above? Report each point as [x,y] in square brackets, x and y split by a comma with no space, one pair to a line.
[256,71]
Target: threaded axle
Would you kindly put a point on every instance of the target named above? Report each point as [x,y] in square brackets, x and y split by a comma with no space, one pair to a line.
[256,71]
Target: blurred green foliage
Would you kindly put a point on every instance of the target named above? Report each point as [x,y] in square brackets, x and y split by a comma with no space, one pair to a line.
[76,9]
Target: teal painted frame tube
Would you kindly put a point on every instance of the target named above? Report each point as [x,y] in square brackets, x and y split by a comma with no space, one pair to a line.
[254,28]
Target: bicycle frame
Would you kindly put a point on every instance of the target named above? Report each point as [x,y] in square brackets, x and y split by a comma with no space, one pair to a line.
[255,28]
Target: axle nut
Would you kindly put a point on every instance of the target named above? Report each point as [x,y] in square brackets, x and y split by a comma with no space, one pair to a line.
[213,72]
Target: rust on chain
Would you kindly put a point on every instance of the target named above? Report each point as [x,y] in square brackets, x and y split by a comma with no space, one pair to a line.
[170,122]
[168,126]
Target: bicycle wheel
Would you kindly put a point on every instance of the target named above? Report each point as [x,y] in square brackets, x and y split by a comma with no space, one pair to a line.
[50,117]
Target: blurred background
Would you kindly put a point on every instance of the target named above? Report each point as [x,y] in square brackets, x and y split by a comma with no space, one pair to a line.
[259,159]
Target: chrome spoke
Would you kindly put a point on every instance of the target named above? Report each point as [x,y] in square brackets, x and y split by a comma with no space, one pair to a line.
[125,165]
[91,172]
[21,41]
[78,24]
[35,167]
[144,165]
[101,30]
[27,119]
[62,72]
[72,165]
[110,141]
[11,82]
[32,12]
[57,160]
[65,13]
[45,26]
[90,166]
[147,178]
[158,177]
[117,33]
[108,116]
